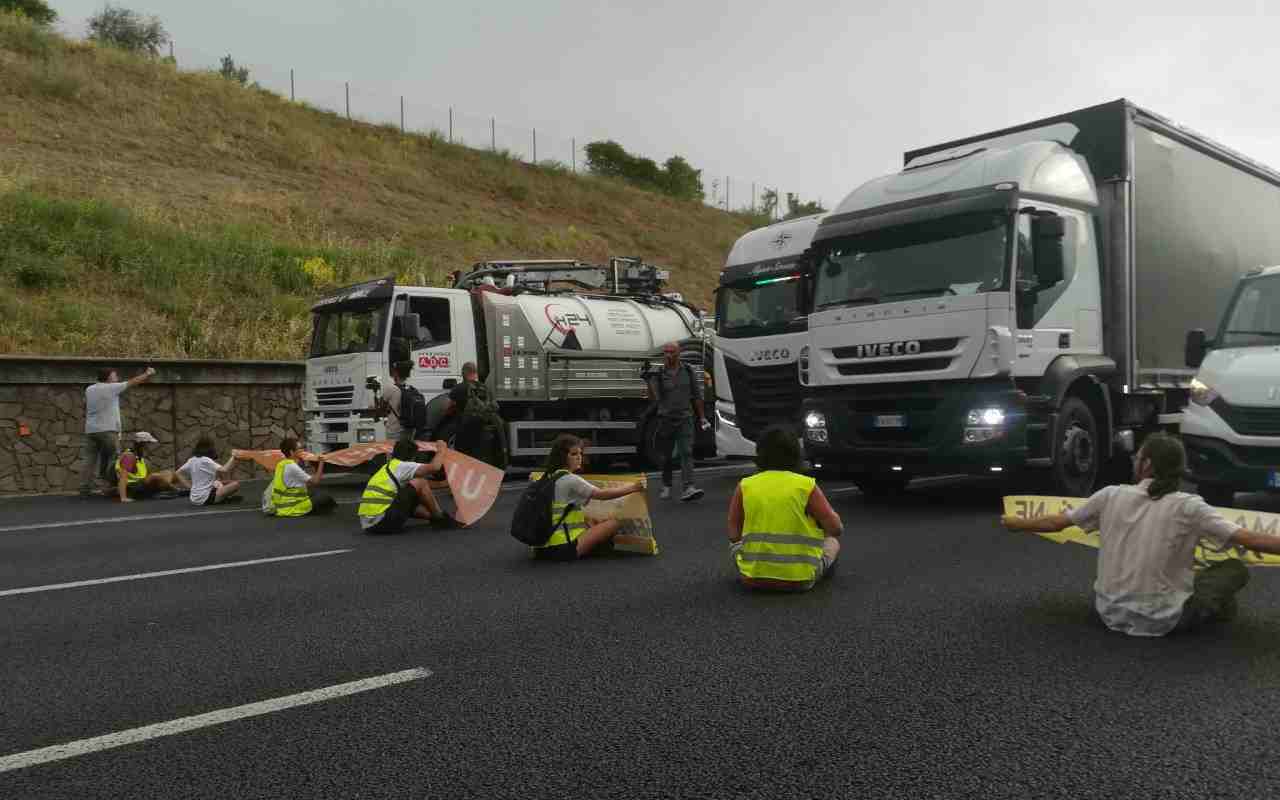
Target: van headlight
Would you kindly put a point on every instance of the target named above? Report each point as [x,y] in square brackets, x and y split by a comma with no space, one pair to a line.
[1201,393]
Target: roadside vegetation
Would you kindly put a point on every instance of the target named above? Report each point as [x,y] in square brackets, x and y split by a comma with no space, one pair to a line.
[149,211]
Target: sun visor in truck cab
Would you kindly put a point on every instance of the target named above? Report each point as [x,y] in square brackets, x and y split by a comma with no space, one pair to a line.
[921,209]
[379,289]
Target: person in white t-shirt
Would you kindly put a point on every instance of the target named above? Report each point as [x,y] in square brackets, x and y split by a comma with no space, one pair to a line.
[389,402]
[399,491]
[205,473]
[102,426]
[1148,532]
[576,536]
[293,476]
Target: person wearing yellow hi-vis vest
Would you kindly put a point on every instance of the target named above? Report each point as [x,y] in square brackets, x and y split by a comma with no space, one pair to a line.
[783,534]
[134,477]
[399,491]
[292,487]
[575,536]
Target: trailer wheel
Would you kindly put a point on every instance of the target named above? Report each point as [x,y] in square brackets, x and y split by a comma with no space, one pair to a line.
[1076,451]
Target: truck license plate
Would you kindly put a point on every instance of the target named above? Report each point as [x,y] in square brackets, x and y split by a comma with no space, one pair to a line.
[1273,480]
[890,421]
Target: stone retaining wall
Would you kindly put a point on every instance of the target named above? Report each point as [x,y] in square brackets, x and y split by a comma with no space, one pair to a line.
[249,405]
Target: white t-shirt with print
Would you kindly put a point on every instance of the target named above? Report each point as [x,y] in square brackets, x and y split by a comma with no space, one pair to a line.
[1147,549]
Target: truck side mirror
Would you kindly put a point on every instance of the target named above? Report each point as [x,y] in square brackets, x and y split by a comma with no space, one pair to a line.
[1197,346]
[411,327]
[1048,232]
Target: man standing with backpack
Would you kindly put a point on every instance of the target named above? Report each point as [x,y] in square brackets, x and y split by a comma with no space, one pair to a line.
[481,432]
[678,395]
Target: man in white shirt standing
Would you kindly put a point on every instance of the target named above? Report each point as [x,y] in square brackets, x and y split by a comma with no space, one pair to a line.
[1148,532]
[102,425]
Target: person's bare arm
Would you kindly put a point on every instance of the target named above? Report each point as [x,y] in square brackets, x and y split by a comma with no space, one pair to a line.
[820,509]
[617,491]
[141,377]
[435,464]
[1050,523]
[1257,542]
[314,480]
[736,516]
[227,467]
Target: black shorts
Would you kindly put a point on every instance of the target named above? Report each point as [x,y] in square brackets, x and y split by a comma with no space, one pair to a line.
[138,491]
[213,496]
[566,551]
[399,512]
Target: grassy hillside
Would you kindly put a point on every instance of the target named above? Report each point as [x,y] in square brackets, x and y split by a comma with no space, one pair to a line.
[152,212]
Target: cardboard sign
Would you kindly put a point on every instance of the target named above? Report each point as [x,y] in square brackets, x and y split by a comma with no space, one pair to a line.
[473,484]
[635,534]
[1028,506]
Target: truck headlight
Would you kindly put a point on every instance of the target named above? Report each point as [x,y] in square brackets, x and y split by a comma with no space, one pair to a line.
[364,435]
[1201,393]
[984,425]
[815,419]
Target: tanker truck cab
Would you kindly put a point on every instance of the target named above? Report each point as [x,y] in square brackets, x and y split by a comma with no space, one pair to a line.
[358,332]
[761,307]
[944,295]
[1231,426]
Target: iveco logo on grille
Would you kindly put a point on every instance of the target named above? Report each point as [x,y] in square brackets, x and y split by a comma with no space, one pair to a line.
[885,349]
[771,354]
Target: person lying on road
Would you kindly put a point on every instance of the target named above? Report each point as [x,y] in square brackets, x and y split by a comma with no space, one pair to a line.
[576,537]
[134,477]
[399,491]
[293,488]
[783,534]
[1146,584]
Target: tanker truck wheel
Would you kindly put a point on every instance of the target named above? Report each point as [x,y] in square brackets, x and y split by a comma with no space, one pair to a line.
[1076,451]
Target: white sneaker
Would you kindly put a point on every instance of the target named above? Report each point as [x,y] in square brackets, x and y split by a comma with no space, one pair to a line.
[691,493]
[665,494]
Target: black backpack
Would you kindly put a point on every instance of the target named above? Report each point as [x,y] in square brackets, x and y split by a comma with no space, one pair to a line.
[479,405]
[413,410]
[532,524]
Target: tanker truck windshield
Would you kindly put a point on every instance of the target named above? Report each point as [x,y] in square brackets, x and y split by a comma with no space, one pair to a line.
[761,308]
[348,329]
[956,255]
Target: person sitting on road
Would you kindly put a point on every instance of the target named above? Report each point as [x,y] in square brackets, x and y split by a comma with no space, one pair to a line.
[134,477]
[399,491]
[293,488]
[202,472]
[575,537]
[1148,532]
[783,533]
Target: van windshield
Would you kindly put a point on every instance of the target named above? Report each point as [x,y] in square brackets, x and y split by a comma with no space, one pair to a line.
[761,308]
[1254,318]
[348,329]
[961,254]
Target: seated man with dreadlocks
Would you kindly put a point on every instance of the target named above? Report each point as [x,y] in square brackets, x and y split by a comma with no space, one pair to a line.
[1148,532]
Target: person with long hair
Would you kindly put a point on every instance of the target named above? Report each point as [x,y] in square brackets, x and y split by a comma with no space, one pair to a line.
[574,535]
[204,474]
[1146,583]
[783,533]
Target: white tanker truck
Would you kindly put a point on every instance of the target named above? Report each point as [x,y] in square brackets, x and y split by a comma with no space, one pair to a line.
[563,346]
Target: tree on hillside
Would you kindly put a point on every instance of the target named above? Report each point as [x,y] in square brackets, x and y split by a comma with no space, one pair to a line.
[682,180]
[795,208]
[128,30]
[231,72]
[676,177]
[35,10]
[768,202]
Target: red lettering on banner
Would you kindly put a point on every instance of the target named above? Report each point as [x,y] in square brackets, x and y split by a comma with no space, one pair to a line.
[430,361]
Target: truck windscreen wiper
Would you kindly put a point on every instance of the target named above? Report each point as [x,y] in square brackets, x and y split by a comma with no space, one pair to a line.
[937,290]
[856,301]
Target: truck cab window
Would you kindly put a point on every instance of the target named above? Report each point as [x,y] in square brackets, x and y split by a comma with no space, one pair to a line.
[433,316]
[1076,240]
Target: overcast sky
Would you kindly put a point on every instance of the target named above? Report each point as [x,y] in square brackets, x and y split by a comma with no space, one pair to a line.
[809,97]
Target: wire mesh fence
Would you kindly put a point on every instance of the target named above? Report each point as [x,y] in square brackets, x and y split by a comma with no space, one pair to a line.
[526,143]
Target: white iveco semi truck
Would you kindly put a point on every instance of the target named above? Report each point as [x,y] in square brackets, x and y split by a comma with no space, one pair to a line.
[761,308]
[1020,299]
[563,346]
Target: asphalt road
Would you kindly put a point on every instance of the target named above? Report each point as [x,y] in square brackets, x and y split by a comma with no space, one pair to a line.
[945,658]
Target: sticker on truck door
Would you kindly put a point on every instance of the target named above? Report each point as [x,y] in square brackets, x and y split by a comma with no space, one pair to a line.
[433,361]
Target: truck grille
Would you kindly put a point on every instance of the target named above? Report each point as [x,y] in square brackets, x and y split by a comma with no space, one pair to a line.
[1249,420]
[335,395]
[934,354]
[918,402]
[763,396]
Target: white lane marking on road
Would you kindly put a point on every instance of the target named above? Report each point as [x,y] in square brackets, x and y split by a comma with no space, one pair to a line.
[510,487]
[144,575]
[58,752]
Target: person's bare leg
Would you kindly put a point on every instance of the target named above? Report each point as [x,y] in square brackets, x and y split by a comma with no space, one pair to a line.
[226,490]
[597,535]
[428,506]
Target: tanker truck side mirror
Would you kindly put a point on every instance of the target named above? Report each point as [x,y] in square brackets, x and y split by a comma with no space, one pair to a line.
[1197,346]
